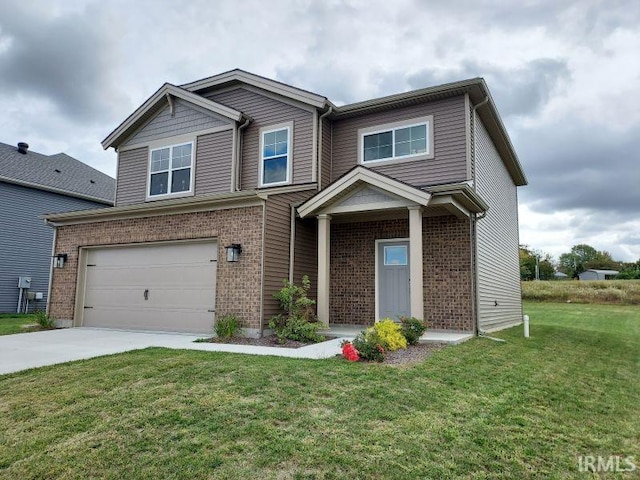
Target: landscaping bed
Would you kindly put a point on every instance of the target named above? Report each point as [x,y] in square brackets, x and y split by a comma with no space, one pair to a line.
[266,341]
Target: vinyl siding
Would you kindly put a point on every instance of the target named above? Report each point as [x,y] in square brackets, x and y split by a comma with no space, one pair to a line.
[305,259]
[326,153]
[266,111]
[497,239]
[25,240]
[186,119]
[132,176]
[450,147]
[277,238]
[214,154]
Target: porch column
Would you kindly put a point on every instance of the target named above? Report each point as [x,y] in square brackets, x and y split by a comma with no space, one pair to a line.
[324,236]
[416,266]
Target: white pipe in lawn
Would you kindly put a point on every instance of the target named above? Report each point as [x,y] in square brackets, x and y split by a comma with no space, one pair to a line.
[526,326]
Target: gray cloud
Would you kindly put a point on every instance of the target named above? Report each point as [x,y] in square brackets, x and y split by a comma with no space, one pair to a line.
[66,60]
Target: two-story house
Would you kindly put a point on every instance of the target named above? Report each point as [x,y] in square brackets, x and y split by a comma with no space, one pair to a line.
[402,205]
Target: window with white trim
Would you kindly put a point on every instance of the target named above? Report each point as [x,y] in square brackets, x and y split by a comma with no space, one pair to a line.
[275,156]
[170,170]
[397,141]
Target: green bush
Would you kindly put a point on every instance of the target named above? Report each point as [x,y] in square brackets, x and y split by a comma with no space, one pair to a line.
[412,329]
[369,347]
[299,321]
[45,321]
[227,326]
[388,333]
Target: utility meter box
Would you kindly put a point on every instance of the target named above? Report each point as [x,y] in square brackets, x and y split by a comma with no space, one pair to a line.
[39,296]
[24,282]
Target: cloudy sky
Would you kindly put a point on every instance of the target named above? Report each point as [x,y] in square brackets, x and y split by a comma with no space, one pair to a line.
[565,76]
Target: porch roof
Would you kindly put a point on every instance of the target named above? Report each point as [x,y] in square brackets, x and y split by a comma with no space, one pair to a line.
[364,190]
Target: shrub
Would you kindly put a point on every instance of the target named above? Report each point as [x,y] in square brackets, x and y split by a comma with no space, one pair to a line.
[369,347]
[227,326]
[412,329]
[45,321]
[299,321]
[350,352]
[388,334]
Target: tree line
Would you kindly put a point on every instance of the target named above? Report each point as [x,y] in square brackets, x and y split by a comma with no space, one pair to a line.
[581,257]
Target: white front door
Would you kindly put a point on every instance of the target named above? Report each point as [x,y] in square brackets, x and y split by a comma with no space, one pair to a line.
[393,279]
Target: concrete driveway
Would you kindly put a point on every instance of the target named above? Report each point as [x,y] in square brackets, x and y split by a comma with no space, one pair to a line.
[37,349]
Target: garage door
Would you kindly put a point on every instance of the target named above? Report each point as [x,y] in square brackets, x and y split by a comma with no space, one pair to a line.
[166,287]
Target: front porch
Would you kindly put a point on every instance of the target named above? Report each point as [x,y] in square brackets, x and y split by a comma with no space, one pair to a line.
[430,336]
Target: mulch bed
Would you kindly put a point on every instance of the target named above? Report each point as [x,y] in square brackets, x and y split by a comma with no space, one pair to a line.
[409,356]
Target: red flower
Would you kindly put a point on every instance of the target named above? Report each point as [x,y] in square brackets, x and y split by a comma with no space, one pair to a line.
[350,353]
[380,349]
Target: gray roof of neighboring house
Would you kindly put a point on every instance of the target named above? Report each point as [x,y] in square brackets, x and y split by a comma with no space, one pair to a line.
[57,173]
[604,272]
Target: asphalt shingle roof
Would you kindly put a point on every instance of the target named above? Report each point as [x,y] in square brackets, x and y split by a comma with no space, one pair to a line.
[59,172]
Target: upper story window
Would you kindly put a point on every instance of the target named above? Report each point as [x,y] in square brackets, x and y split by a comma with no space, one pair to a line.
[399,141]
[275,155]
[171,171]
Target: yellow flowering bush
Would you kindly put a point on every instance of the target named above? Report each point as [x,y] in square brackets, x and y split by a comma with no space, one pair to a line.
[389,334]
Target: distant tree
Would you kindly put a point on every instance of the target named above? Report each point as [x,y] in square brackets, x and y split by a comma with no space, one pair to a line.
[629,271]
[582,257]
[528,264]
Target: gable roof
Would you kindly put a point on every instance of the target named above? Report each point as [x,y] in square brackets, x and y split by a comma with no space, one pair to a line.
[73,178]
[157,101]
[237,76]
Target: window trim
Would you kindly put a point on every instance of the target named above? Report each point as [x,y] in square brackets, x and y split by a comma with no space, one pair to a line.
[393,126]
[269,129]
[192,167]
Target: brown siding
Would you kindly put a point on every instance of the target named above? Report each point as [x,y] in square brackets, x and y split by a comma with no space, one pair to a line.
[305,261]
[132,176]
[238,284]
[277,236]
[447,271]
[326,153]
[213,163]
[185,119]
[450,146]
[266,111]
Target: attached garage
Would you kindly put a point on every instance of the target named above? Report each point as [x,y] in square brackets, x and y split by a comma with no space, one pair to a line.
[163,287]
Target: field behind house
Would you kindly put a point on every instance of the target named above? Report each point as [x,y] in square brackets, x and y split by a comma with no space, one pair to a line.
[620,292]
[525,408]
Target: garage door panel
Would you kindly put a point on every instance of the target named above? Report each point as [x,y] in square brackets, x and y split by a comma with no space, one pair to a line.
[179,279]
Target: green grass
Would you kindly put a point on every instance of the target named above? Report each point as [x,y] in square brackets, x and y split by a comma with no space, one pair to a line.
[483,409]
[11,323]
[621,292]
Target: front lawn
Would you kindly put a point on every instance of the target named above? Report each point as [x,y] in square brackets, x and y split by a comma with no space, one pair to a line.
[483,409]
[11,323]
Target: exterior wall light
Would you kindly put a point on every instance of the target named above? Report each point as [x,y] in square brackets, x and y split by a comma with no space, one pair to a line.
[233,252]
[60,260]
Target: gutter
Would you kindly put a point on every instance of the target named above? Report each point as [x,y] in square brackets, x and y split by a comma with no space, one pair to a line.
[238,172]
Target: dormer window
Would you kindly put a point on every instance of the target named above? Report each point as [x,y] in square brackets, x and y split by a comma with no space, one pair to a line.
[399,141]
[275,155]
[170,171]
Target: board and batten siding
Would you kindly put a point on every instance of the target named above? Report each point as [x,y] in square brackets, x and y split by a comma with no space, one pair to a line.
[214,154]
[266,111]
[498,266]
[132,176]
[277,241]
[25,240]
[186,119]
[450,146]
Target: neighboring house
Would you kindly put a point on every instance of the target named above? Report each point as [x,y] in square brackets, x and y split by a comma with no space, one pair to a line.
[402,205]
[561,276]
[31,185]
[594,274]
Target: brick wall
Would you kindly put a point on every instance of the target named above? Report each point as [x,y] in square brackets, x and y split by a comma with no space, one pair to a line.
[447,273]
[238,284]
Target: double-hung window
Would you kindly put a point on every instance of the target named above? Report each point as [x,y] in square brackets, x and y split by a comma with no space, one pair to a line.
[275,155]
[170,171]
[411,139]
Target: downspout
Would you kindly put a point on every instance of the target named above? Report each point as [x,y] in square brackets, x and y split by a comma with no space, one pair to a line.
[320,119]
[475,218]
[238,173]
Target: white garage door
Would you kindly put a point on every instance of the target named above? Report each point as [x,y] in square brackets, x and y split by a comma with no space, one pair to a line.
[167,287]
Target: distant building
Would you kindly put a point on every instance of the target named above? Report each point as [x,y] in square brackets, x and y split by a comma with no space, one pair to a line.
[593,274]
[560,276]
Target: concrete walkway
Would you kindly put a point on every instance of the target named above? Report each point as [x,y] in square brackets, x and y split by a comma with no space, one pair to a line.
[29,350]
